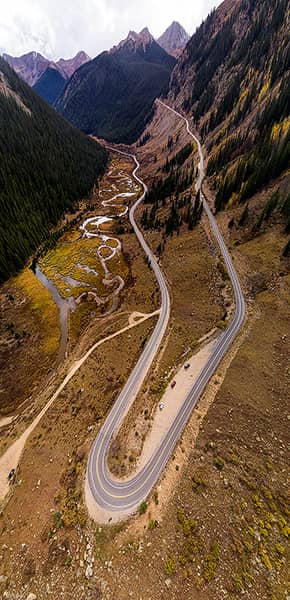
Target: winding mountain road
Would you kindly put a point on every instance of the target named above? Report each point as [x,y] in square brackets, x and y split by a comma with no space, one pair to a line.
[111,499]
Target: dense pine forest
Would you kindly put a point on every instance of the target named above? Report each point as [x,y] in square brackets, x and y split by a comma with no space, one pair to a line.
[234,79]
[46,166]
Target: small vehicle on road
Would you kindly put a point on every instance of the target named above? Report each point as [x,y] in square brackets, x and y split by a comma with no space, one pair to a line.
[187,365]
[173,383]
[161,406]
[11,475]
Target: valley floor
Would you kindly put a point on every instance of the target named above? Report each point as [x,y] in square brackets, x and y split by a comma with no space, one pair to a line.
[215,526]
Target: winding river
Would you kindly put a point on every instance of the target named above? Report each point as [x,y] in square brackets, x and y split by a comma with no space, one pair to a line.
[64,307]
[108,248]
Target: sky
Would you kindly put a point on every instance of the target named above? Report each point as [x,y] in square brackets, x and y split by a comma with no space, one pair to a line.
[60,28]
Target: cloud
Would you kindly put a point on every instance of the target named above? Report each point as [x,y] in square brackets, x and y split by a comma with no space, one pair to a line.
[61,27]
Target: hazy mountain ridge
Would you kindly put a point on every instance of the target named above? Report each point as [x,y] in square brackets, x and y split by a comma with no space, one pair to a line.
[45,166]
[48,78]
[233,78]
[32,65]
[112,95]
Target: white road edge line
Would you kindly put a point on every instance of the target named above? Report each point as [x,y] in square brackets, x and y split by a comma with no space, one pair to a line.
[111,500]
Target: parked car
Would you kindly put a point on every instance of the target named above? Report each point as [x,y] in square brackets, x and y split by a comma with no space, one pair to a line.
[187,366]
[11,475]
[173,383]
[161,406]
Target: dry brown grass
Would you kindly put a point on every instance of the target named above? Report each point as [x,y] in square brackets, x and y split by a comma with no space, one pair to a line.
[29,338]
[197,306]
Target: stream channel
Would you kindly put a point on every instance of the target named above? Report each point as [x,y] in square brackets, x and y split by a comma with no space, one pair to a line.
[109,246]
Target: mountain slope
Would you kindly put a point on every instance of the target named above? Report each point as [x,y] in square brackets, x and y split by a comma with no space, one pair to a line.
[174,39]
[233,78]
[50,85]
[112,95]
[45,167]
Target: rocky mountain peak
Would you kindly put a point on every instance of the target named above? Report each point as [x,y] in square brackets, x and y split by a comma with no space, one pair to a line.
[82,55]
[70,65]
[174,39]
[135,41]
[132,35]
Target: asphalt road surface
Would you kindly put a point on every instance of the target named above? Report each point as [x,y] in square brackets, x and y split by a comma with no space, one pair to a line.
[119,498]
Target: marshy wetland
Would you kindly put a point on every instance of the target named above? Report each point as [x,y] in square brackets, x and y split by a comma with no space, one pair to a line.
[86,271]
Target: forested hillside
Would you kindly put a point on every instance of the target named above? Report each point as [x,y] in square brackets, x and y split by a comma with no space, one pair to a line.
[45,167]
[233,79]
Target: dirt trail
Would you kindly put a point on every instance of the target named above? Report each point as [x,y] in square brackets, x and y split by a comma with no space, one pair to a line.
[12,456]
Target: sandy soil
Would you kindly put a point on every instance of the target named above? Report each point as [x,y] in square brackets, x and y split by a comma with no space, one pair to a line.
[6,421]
[173,399]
